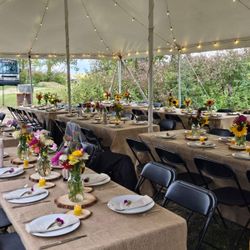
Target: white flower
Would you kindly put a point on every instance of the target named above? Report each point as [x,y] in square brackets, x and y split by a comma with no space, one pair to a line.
[16,134]
[48,142]
[85,156]
[63,158]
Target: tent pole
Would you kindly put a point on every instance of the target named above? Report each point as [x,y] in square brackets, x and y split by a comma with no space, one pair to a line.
[30,78]
[66,14]
[119,66]
[3,95]
[150,63]
[113,81]
[135,81]
[179,79]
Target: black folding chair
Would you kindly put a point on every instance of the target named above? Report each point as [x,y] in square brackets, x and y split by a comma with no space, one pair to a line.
[137,112]
[175,160]
[158,174]
[141,151]
[196,199]
[220,132]
[92,138]
[11,241]
[2,116]
[228,195]
[176,118]
[225,110]
[248,137]
[248,222]
[167,124]
[4,221]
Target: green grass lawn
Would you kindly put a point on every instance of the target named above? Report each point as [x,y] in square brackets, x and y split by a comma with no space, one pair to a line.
[10,93]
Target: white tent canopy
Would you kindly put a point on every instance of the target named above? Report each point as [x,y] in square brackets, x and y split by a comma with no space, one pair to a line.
[107,28]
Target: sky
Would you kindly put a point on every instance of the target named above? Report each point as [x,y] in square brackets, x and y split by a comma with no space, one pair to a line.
[83,65]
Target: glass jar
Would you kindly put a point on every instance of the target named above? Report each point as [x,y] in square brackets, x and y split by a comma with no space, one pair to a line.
[195,129]
[22,150]
[75,184]
[240,140]
[43,164]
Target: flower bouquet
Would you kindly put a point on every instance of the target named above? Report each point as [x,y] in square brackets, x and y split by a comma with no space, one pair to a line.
[118,97]
[54,99]
[12,123]
[209,104]
[117,108]
[127,95]
[239,129]
[75,163]
[106,95]
[46,97]
[24,136]
[40,144]
[197,122]
[187,102]
[39,97]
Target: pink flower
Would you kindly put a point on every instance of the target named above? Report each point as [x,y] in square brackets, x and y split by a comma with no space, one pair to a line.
[53,147]
[33,142]
[37,150]
[55,158]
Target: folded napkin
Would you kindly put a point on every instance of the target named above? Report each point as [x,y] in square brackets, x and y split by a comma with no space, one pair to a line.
[51,224]
[127,204]
[10,171]
[94,178]
[23,193]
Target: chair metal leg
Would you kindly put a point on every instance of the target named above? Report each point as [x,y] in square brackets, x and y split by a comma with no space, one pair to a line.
[222,219]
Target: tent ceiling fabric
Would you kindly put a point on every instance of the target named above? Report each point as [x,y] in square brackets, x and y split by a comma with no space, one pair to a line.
[100,28]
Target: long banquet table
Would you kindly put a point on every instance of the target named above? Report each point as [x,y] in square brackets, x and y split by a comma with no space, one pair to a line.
[220,153]
[156,229]
[115,138]
[218,120]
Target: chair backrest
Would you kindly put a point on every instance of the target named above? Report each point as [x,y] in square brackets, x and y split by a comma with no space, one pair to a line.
[213,168]
[157,104]
[91,137]
[137,112]
[2,116]
[167,156]
[248,137]
[227,110]
[220,132]
[167,124]
[194,198]
[246,112]
[248,175]
[137,146]
[158,174]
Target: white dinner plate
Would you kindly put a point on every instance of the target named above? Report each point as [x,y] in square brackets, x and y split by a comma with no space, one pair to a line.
[106,180]
[140,123]
[241,155]
[31,198]
[237,147]
[11,175]
[57,232]
[131,197]
[5,154]
[206,144]
[115,126]
[225,139]
[165,136]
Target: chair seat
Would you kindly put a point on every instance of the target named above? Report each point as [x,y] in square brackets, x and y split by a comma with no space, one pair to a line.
[231,196]
[11,241]
[4,221]
[196,177]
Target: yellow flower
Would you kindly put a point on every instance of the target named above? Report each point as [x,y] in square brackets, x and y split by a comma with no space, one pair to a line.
[239,131]
[73,160]
[175,102]
[77,153]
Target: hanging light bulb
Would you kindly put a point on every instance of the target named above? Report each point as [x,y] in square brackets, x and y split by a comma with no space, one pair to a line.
[133,19]
[168,13]
[236,41]
[199,46]
[115,4]
[171,28]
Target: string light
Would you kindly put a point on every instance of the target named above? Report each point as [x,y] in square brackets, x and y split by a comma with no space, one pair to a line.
[170,50]
[115,4]
[215,44]
[168,13]
[236,41]
[133,19]
[171,28]
[137,53]
[199,46]
[158,50]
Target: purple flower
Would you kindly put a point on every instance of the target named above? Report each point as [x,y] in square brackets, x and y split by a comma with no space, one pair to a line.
[59,221]
[55,158]
[11,170]
[241,119]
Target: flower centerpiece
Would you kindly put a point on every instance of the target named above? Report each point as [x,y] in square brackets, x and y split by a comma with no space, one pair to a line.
[239,129]
[209,104]
[46,97]
[87,107]
[197,122]
[74,162]
[117,108]
[187,102]
[170,99]
[127,95]
[175,102]
[106,95]
[24,136]
[118,97]
[40,144]
[54,99]
[39,97]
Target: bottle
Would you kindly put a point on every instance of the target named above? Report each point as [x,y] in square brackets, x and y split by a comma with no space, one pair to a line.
[65,174]
[1,153]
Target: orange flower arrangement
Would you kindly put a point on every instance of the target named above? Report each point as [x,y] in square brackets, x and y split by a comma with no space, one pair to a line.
[210,103]
[107,95]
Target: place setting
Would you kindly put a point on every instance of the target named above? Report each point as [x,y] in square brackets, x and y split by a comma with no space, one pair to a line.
[9,172]
[131,204]
[202,143]
[95,179]
[166,135]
